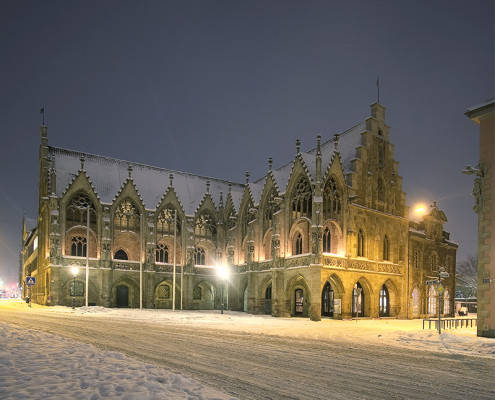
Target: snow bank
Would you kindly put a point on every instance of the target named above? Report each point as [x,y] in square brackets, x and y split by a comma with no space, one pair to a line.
[36,365]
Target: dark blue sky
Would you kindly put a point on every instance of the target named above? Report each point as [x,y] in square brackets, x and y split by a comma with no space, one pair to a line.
[217,87]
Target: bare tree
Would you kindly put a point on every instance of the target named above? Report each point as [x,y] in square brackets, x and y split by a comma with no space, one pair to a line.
[467,276]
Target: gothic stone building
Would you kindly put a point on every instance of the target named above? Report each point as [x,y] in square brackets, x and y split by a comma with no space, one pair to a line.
[325,235]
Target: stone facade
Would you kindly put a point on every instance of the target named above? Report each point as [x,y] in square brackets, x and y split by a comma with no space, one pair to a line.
[484,193]
[325,235]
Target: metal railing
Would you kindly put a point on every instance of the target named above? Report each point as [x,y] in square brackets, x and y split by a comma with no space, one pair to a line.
[451,323]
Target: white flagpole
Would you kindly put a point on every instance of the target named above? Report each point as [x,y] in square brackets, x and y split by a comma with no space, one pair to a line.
[87,255]
[140,262]
[175,244]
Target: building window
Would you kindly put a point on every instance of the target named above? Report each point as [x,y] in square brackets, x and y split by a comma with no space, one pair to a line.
[432,300]
[302,202]
[360,248]
[332,203]
[127,217]
[446,303]
[327,241]
[199,256]
[77,289]
[165,223]
[384,306]
[416,260]
[433,262]
[205,227]
[162,253]
[197,293]
[120,255]
[78,246]
[386,248]
[298,244]
[164,292]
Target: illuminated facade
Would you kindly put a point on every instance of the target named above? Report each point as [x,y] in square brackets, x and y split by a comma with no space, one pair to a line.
[325,235]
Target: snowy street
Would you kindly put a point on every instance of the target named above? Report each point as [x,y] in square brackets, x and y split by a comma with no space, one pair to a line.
[241,356]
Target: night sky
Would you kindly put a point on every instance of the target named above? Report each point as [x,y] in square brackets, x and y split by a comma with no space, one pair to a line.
[217,87]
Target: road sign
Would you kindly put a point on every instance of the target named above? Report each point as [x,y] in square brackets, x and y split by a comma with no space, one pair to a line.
[30,280]
[440,289]
[488,280]
[432,282]
[444,275]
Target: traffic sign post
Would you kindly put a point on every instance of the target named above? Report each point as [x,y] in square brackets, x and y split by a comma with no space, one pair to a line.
[30,281]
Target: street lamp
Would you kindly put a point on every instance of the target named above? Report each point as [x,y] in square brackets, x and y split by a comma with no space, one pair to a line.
[75,270]
[223,273]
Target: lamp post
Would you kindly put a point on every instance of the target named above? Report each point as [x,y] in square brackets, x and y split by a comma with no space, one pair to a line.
[223,273]
[75,270]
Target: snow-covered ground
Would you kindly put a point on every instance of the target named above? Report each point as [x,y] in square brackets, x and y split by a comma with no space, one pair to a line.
[36,364]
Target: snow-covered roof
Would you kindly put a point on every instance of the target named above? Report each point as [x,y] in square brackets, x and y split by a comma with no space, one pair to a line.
[108,176]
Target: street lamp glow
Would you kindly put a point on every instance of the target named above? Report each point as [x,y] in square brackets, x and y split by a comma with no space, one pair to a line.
[75,271]
[222,272]
[419,210]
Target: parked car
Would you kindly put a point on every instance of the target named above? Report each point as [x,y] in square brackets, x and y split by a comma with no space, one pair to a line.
[463,311]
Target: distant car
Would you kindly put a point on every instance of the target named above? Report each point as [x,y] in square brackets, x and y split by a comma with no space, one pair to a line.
[463,311]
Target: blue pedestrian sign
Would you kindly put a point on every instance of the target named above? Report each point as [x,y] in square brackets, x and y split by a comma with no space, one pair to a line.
[30,280]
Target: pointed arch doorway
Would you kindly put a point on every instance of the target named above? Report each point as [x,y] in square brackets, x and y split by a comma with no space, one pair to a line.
[327,300]
[357,301]
[122,296]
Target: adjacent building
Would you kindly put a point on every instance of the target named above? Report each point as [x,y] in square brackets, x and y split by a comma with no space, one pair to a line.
[325,235]
[484,195]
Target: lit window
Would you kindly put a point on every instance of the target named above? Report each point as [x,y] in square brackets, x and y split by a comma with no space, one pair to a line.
[162,253]
[327,239]
[298,243]
[199,256]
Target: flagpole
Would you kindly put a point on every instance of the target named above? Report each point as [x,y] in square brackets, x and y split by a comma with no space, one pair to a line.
[175,245]
[87,254]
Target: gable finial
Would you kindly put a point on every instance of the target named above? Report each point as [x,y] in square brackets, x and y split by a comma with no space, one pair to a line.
[318,144]
[82,159]
[247,177]
[129,170]
[171,176]
[270,161]
[336,141]
[208,186]
[298,146]
[230,186]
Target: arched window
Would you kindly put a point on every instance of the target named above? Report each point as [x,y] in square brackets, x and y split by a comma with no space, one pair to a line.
[77,212]
[162,253]
[386,249]
[126,218]
[78,246]
[205,227]
[165,223]
[432,300]
[327,241]
[332,200]
[301,203]
[446,302]
[163,292]
[298,244]
[199,256]
[197,293]
[120,255]
[76,288]
[270,208]
[360,247]
[384,306]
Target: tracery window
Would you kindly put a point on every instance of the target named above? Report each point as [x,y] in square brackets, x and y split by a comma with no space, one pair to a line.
[165,223]
[332,200]
[197,293]
[199,256]
[301,202]
[77,214]
[386,248]
[78,246]
[162,253]
[271,207]
[327,241]
[164,292]
[298,244]
[432,300]
[205,227]
[360,248]
[127,217]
